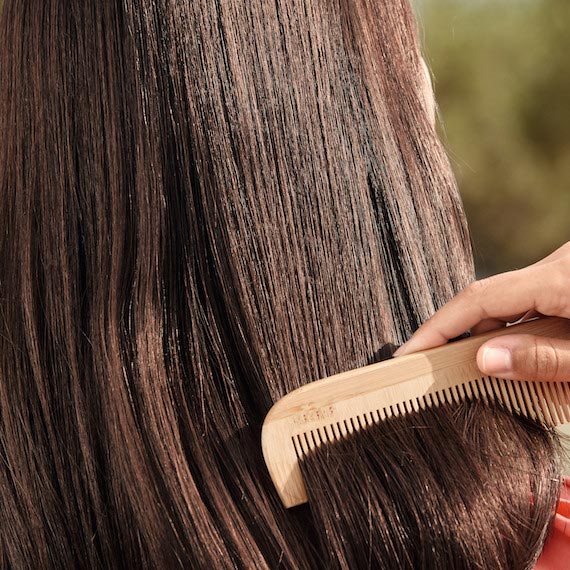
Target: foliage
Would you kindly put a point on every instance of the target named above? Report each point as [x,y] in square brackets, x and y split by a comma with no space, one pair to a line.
[501,74]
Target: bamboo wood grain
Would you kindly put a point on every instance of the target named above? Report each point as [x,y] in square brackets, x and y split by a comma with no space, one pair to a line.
[332,408]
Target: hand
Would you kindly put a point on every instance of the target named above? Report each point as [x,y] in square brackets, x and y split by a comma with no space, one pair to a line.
[542,289]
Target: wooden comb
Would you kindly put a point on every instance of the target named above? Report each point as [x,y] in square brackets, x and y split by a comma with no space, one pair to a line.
[331,408]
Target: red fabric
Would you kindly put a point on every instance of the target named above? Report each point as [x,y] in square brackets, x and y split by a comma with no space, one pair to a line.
[556,552]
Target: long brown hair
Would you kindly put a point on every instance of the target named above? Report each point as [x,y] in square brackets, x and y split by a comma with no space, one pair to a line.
[206,204]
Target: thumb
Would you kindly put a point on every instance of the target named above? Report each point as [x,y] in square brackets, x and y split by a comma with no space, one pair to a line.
[526,357]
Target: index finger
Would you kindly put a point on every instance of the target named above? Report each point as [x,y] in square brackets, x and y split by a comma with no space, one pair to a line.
[499,296]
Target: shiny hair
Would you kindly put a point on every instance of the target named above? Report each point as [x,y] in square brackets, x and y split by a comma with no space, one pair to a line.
[205,205]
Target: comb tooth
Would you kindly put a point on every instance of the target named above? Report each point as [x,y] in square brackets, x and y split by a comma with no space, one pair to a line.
[500,392]
[548,399]
[522,398]
[468,390]
[320,437]
[532,410]
[479,390]
[489,388]
[329,432]
[303,444]
[543,403]
[415,404]
[313,438]
[519,398]
[297,446]
[337,430]
[455,394]
[355,423]
[461,392]
[553,402]
[566,390]
[536,408]
[563,387]
[349,426]
[557,401]
[370,419]
[566,399]
[556,387]
[310,440]
[375,416]
[422,402]
[502,384]
[341,428]
[307,441]
[361,421]
[515,406]
[482,390]
[474,385]
[474,389]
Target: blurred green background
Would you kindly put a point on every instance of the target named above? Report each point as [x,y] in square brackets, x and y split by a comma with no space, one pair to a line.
[501,72]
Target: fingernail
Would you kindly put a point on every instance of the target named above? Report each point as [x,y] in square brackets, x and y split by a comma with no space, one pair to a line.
[497,360]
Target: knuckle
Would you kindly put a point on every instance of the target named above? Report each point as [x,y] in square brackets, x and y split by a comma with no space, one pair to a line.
[477,288]
[544,361]
[559,286]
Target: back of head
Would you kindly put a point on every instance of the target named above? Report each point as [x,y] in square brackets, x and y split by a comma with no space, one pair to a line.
[206,205]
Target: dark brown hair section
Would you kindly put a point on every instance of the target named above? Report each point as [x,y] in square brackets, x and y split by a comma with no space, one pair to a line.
[466,486]
[204,204]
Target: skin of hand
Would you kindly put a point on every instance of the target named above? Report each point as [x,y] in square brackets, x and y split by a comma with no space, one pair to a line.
[542,289]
